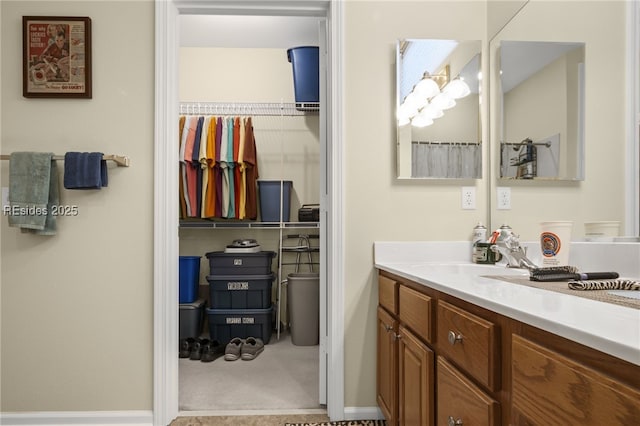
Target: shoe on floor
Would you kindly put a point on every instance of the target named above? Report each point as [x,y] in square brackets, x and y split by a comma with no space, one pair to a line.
[233,348]
[196,350]
[251,348]
[210,350]
[185,347]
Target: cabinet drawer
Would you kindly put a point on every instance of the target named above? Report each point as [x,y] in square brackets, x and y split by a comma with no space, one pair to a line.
[416,312]
[549,388]
[470,342]
[387,291]
[459,400]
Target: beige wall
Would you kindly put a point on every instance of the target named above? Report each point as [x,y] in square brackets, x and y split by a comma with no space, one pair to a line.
[601,195]
[377,206]
[77,307]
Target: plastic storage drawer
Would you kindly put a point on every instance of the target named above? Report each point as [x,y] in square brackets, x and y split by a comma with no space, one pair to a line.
[221,263]
[240,291]
[225,324]
[191,316]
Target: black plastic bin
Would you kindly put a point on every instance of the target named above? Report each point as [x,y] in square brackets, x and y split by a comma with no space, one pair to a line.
[240,291]
[225,324]
[221,263]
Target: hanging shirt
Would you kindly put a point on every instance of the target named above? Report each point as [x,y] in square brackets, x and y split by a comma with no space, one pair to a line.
[210,203]
[218,169]
[190,171]
[237,178]
[231,211]
[251,164]
[243,175]
[183,206]
[202,160]
[197,170]
[224,167]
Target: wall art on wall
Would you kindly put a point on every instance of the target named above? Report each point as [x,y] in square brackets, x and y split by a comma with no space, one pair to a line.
[56,57]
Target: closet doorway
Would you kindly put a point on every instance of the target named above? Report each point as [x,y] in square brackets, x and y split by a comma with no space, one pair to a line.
[170,17]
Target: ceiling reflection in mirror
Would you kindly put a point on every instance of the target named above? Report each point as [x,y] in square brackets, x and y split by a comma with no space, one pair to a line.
[438,109]
[542,110]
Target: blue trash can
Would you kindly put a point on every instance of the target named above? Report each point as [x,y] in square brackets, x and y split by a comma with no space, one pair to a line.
[189,267]
[269,193]
[306,73]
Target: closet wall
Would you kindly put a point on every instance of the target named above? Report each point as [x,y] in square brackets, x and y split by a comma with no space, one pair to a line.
[288,147]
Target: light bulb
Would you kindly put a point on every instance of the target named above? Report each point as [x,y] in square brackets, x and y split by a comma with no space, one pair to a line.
[457,89]
[421,121]
[443,101]
[426,88]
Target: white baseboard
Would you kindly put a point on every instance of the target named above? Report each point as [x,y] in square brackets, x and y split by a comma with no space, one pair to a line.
[78,418]
[363,413]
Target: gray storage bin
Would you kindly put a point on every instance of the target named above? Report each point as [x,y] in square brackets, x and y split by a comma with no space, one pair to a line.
[221,263]
[303,308]
[191,319]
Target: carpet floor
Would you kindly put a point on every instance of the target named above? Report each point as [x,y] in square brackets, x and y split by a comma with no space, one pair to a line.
[282,377]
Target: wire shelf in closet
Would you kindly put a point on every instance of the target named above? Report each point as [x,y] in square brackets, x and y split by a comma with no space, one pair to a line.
[203,223]
[289,109]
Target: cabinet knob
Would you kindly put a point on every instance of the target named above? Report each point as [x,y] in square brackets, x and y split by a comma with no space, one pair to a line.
[453,338]
[397,336]
[453,422]
[388,327]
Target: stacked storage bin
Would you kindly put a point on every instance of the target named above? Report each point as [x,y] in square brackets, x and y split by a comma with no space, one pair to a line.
[240,295]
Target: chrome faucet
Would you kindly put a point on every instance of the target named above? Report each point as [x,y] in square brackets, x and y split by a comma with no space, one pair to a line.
[508,245]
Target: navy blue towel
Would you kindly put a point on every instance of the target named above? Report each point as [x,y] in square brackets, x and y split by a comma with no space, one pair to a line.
[85,170]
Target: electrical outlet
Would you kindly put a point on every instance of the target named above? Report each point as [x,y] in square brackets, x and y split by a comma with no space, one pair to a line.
[504,198]
[468,197]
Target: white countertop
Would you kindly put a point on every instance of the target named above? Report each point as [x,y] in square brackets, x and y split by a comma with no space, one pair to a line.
[446,267]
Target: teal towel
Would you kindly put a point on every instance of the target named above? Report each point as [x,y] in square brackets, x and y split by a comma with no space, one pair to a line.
[33,190]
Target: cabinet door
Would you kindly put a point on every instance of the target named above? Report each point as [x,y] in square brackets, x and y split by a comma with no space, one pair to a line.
[387,367]
[460,402]
[549,388]
[415,381]
[415,311]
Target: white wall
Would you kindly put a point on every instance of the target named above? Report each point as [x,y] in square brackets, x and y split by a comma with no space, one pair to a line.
[77,307]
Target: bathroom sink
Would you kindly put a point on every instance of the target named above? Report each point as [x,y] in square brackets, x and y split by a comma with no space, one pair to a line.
[469,269]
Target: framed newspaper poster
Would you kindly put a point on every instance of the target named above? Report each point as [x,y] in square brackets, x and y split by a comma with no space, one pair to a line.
[56,57]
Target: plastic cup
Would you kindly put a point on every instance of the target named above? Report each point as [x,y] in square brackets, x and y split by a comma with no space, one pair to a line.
[555,242]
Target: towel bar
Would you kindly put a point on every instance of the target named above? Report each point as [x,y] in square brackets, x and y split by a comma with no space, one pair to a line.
[120,160]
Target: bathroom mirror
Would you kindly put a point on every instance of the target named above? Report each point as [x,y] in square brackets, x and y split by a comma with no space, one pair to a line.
[542,110]
[438,109]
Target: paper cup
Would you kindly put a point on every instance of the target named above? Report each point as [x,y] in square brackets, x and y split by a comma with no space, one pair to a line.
[601,231]
[555,242]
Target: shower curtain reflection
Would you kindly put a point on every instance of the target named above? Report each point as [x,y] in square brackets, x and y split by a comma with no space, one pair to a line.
[446,160]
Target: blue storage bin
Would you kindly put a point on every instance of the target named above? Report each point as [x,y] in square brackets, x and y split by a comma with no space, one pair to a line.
[189,267]
[269,192]
[306,75]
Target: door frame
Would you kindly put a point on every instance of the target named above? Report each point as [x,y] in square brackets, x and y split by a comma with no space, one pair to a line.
[166,220]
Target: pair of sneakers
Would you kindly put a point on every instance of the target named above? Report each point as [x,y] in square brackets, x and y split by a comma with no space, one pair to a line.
[196,349]
[246,349]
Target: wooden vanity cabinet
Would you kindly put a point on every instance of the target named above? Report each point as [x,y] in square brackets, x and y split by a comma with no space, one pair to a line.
[450,362]
[549,388]
[405,364]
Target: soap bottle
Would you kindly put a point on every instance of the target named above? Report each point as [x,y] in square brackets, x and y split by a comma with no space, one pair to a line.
[479,254]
